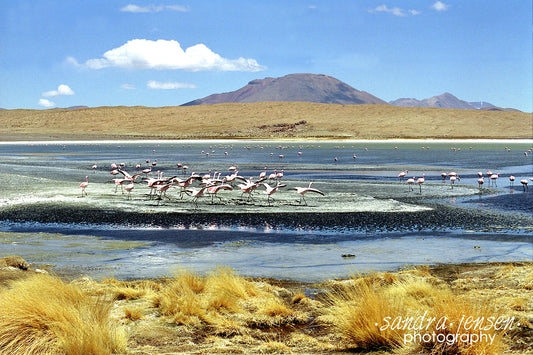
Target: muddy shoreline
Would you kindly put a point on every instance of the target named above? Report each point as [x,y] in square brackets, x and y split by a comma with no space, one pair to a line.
[439,217]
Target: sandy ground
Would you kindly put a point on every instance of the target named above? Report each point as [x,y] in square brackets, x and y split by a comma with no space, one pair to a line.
[262,120]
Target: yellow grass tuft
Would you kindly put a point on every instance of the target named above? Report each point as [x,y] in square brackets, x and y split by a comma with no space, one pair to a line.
[372,314]
[43,315]
[133,313]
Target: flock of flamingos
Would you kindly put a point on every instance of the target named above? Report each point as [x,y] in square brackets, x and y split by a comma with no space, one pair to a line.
[196,185]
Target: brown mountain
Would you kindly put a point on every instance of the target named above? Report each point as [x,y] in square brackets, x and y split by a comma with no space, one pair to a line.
[445,100]
[316,88]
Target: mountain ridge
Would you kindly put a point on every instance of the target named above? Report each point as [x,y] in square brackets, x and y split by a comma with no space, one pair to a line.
[321,88]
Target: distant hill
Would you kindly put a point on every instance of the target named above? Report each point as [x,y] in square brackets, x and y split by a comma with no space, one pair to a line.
[76,107]
[315,88]
[445,100]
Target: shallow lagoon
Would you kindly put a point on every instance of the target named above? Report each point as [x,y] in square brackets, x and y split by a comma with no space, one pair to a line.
[36,174]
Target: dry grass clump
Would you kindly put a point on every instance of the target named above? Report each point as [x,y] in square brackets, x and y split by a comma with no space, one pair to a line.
[223,301]
[412,314]
[42,315]
[130,290]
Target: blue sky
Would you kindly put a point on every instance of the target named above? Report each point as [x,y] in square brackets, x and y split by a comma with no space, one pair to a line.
[57,53]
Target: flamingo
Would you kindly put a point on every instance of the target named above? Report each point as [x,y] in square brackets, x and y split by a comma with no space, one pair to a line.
[94,167]
[273,175]
[454,178]
[84,185]
[420,181]
[402,174]
[410,182]
[270,190]
[196,194]
[121,183]
[480,181]
[443,175]
[511,180]
[163,188]
[524,183]
[128,188]
[185,183]
[494,177]
[248,187]
[303,190]
[147,171]
[213,190]
[262,175]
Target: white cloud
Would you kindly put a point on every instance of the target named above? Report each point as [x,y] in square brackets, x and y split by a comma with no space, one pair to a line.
[163,54]
[46,103]
[153,8]
[152,84]
[61,90]
[396,11]
[128,86]
[440,6]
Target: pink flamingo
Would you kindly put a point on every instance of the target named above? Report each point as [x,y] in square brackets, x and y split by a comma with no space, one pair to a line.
[248,187]
[402,174]
[303,190]
[270,190]
[480,181]
[213,190]
[524,183]
[410,182]
[443,175]
[262,175]
[420,181]
[84,185]
[196,194]
[493,178]
[511,180]
[163,188]
[128,188]
[453,179]
[147,171]
[121,183]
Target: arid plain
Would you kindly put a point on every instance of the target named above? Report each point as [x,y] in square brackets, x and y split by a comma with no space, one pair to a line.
[263,120]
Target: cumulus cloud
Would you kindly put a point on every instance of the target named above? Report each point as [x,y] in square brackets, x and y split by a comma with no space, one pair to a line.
[163,54]
[440,6]
[153,8]
[61,90]
[152,84]
[46,103]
